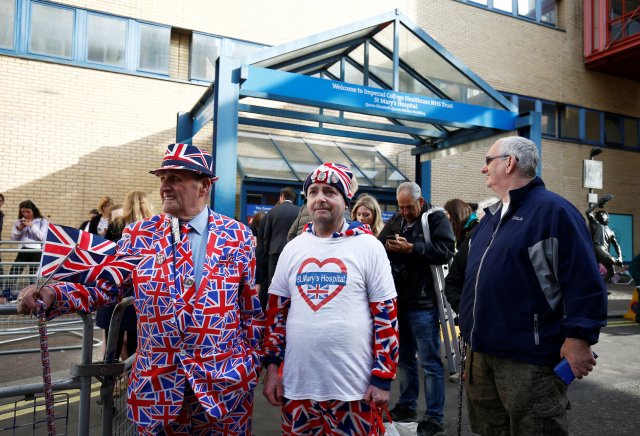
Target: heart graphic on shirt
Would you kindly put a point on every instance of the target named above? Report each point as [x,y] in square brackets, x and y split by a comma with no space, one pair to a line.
[320,285]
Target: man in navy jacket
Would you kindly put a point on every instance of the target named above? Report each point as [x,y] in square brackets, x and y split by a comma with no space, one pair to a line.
[532,296]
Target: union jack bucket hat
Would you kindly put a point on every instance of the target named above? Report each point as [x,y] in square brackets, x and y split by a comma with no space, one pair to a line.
[187,157]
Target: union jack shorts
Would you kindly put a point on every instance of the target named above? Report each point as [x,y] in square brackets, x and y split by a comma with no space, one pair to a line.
[317,418]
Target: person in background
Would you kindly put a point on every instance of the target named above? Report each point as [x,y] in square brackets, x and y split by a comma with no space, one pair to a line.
[30,226]
[200,324]
[136,208]
[85,224]
[276,226]
[99,224]
[532,295]
[331,318]
[367,211]
[115,226]
[458,213]
[262,260]
[418,318]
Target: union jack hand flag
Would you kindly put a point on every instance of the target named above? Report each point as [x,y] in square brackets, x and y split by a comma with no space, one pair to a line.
[73,255]
[86,266]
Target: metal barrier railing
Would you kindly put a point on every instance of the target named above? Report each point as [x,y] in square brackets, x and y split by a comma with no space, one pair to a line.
[15,275]
[108,372]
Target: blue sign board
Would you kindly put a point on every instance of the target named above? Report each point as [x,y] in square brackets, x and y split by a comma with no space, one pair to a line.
[253,209]
[298,88]
[622,226]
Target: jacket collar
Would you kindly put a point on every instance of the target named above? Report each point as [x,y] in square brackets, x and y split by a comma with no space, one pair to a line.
[517,196]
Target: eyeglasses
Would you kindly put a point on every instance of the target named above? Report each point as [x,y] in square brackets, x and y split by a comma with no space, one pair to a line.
[488,159]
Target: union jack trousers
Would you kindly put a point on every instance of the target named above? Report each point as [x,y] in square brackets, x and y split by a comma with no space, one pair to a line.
[206,334]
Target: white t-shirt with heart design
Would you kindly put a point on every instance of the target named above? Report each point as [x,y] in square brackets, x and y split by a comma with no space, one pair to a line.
[329,330]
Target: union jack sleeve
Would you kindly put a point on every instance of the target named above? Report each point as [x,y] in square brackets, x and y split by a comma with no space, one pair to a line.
[251,316]
[386,344]
[276,329]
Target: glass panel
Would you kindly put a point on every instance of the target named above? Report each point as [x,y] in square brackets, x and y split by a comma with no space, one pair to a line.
[482,2]
[106,40]
[51,30]
[352,74]
[435,69]
[503,5]
[381,66]
[307,61]
[241,49]
[298,154]
[154,48]
[615,30]
[592,126]
[205,50]
[549,116]
[630,132]
[548,12]
[309,50]
[570,127]
[7,20]
[258,157]
[615,9]
[374,166]
[526,105]
[612,129]
[328,152]
[527,8]
[633,25]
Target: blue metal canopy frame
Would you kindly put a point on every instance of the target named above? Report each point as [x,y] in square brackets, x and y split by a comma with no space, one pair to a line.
[391,58]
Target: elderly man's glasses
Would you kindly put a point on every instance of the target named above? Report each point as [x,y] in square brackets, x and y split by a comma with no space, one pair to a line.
[488,159]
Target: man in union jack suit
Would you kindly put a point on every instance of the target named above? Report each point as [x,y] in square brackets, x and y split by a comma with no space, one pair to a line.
[331,318]
[199,317]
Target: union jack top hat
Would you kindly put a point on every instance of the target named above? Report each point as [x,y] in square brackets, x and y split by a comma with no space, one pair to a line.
[187,157]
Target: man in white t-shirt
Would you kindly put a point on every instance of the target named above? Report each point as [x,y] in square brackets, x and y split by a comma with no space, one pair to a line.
[331,318]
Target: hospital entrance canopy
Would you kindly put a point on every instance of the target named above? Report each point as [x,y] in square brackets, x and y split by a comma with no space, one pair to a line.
[379,81]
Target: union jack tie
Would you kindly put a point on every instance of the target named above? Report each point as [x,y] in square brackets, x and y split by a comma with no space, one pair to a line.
[184,263]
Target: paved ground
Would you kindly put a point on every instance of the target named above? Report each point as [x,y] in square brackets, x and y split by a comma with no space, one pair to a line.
[605,403]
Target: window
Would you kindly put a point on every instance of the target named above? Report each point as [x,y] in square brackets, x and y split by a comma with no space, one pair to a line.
[51,30]
[548,12]
[204,52]
[623,20]
[240,49]
[570,127]
[549,117]
[613,126]
[106,40]
[631,132]
[527,8]
[154,48]
[7,19]
[592,126]
[503,5]
[541,11]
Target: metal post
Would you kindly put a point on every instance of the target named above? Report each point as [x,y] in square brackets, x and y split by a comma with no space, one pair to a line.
[84,406]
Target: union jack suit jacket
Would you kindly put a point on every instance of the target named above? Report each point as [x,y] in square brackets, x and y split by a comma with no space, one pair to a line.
[209,335]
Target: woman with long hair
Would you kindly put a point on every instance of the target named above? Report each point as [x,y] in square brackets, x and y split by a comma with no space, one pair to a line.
[367,211]
[136,207]
[30,229]
[458,212]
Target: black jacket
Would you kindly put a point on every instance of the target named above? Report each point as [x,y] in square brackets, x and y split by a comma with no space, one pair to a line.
[411,272]
[276,226]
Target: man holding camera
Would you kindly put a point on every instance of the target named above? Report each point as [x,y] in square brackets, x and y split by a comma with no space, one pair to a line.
[418,319]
